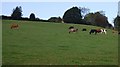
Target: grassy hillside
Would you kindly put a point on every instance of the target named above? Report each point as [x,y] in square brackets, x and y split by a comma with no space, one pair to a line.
[0,42]
[50,44]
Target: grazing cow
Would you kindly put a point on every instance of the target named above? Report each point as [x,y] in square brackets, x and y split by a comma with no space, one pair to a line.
[98,31]
[72,30]
[14,26]
[84,29]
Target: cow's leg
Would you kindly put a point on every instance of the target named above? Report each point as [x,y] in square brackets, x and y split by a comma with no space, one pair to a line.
[17,27]
[104,32]
[95,32]
[69,32]
[90,32]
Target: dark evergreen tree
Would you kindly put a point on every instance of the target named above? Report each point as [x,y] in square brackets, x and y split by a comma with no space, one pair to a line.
[89,18]
[17,13]
[72,15]
[32,16]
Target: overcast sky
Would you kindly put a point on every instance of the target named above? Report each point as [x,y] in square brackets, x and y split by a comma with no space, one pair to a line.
[45,10]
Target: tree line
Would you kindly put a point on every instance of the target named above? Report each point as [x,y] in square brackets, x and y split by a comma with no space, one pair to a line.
[75,15]
[17,15]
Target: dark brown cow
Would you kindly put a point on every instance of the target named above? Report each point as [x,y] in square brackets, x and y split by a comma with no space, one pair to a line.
[14,26]
[98,30]
[95,31]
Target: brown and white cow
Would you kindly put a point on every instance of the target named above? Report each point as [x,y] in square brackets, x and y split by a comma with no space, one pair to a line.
[72,29]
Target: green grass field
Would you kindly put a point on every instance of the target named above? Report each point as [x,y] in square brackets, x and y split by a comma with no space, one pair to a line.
[0,42]
[50,44]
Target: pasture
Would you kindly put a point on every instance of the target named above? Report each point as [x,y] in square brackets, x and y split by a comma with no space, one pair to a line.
[50,44]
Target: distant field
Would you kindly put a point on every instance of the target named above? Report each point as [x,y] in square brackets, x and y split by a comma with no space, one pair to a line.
[50,44]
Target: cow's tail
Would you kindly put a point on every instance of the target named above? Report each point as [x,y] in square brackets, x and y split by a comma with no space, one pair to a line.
[95,32]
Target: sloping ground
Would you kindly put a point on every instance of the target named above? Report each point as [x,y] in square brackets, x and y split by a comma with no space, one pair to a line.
[50,44]
[0,42]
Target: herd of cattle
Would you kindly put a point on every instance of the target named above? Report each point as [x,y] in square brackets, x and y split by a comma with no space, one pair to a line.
[72,29]
[95,31]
